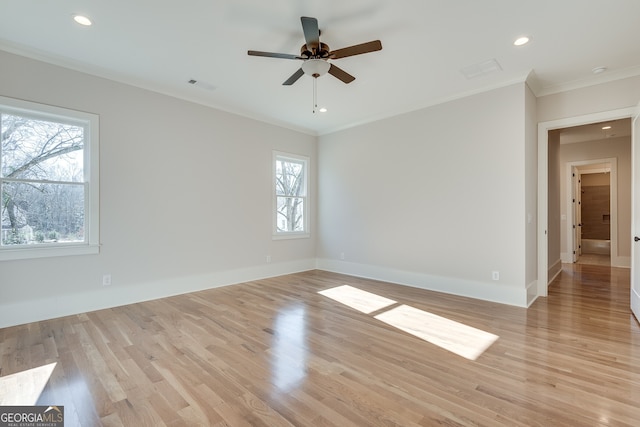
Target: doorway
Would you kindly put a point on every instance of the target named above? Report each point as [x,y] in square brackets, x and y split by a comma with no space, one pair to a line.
[608,226]
[545,274]
[593,210]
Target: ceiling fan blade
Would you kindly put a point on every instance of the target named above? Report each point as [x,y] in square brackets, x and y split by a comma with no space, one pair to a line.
[294,77]
[273,55]
[340,74]
[357,49]
[311,32]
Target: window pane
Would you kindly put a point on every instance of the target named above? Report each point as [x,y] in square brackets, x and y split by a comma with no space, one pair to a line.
[42,213]
[290,214]
[41,150]
[289,178]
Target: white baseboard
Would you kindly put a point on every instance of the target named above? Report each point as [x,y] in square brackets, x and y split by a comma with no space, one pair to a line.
[621,261]
[34,310]
[488,291]
[532,292]
[553,271]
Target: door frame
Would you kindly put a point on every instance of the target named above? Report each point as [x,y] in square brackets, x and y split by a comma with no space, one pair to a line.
[575,188]
[572,208]
[543,180]
[635,195]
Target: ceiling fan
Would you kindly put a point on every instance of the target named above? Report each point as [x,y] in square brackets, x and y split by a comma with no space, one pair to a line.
[316,54]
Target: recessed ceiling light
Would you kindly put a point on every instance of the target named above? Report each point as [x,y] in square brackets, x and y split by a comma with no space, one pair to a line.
[599,70]
[323,110]
[521,41]
[82,20]
[606,127]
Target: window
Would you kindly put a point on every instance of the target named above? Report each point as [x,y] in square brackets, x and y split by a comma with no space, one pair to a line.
[290,192]
[49,181]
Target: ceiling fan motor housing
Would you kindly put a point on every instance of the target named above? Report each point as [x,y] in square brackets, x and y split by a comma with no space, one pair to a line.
[322,52]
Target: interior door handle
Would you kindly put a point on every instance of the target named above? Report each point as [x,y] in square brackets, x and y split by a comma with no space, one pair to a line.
[636,238]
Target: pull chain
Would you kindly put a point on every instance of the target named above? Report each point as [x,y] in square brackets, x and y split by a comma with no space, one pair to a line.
[315,94]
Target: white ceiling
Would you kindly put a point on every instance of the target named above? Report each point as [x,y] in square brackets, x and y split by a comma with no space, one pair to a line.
[160,45]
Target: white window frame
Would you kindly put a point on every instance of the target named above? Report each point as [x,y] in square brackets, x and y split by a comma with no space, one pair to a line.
[278,235]
[91,124]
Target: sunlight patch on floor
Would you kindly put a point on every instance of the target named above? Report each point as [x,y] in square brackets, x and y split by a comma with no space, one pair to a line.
[24,388]
[456,337]
[363,301]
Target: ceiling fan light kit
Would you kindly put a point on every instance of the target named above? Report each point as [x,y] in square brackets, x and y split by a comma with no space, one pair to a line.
[315,67]
[316,55]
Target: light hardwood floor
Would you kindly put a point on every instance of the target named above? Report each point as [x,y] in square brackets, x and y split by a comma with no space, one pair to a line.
[277,353]
[594,259]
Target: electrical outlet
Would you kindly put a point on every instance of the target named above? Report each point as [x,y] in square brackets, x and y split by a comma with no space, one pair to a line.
[495,275]
[268,258]
[106,280]
[341,255]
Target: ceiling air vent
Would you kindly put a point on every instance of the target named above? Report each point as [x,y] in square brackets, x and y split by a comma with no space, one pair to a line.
[481,69]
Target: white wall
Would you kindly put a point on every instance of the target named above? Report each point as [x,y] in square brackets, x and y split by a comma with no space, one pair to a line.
[434,198]
[437,198]
[185,199]
[531,198]
[554,262]
[609,96]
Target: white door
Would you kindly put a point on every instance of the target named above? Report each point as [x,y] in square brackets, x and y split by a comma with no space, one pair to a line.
[635,225]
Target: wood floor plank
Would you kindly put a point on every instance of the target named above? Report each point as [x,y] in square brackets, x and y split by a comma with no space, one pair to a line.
[276,352]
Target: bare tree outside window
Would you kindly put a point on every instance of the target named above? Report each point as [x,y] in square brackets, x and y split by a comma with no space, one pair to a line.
[42,179]
[291,194]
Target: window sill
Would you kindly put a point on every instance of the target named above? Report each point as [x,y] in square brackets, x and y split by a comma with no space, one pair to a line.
[52,251]
[287,236]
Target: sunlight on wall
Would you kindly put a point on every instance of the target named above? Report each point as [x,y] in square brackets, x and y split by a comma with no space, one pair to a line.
[24,388]
[363,301]
[450,335]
